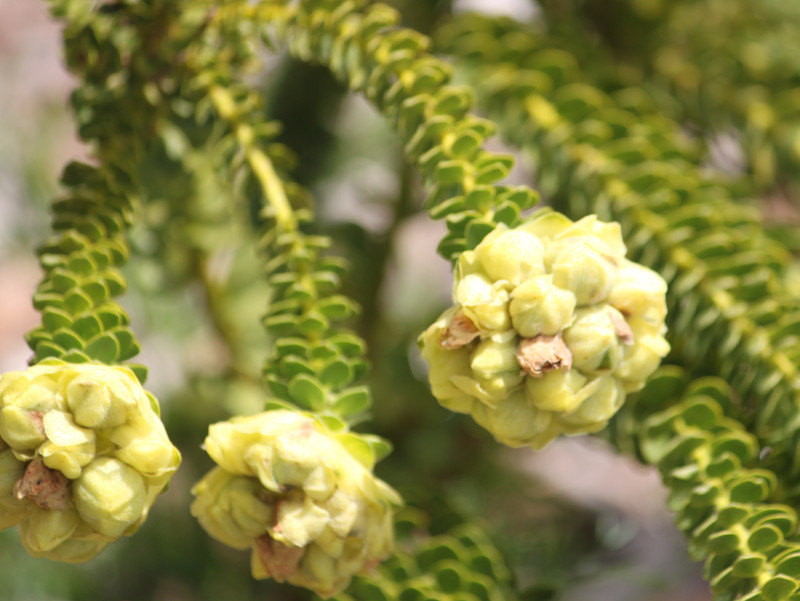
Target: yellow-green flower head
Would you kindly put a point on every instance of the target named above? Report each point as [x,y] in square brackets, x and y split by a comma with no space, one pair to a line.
[83,454]
[289,489]
[550,328]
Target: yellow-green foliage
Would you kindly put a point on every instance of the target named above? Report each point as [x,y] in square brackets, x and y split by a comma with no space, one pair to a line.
[180,141]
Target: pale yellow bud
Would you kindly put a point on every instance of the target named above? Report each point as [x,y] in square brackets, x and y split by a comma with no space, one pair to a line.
[511,255]
[515,422]
[640,292]
[584,266]
[593,339]
[21,429]
[556,391]
[233,509]
[46,529]
[540,307]
[604,398]
[110,496]
[485,303]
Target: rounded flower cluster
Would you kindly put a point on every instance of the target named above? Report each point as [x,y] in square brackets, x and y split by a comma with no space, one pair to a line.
[287,487]
[83,454]
[551,327]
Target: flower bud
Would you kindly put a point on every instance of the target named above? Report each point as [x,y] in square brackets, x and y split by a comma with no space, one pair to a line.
[594,339]
[484,302]
[583,324]
[540,307]
[584,266]
[87,454]
[640,292]
[511,255]
[287,486]
[444,364]
[11,509]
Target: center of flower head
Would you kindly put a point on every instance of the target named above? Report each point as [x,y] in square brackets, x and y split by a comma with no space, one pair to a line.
[46,487]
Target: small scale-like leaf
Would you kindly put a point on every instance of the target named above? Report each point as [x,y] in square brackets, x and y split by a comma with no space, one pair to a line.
[352,401]
[723,542]
[97,291]
[764,538]
[748,566]
[336,374]
[349,344]
[87,326]
[128,346]
[103,348]
[291,365]
[307,392]
[81,264]
[76,356]
[337,307]
[53,318]
[63,280]
[779,588]
[477,231]
[312,323]
[358,448]
[67,339]
[76,302]
[46,349]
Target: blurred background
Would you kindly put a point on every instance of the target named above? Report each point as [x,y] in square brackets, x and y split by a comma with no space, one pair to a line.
[574,521]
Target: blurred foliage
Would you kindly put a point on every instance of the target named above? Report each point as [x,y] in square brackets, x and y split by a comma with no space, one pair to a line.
[621,108]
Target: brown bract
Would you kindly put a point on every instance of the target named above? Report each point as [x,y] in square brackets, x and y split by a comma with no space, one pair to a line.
[621,328]
[541,354]
[460,332]
[47,488]
[278,560]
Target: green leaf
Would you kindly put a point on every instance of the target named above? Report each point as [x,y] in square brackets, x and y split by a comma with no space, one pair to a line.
[450,172]
[307,392]
[292,365]
[748,566]
[109,317]
[358,448]
[63,280]
[349,344]
[140,371]
[103,348]
[312,323]
[353,401]
[291,346]
[764,538]
[81,264]
[77,302]
[97,291]
[128,346]
[477,231]
[53,318]
[67,339]
[337,307]
[274,404]
[380,446]
[88,326]
[723,542]
[779,588]
[336,374]
[47,349]
[76,356]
